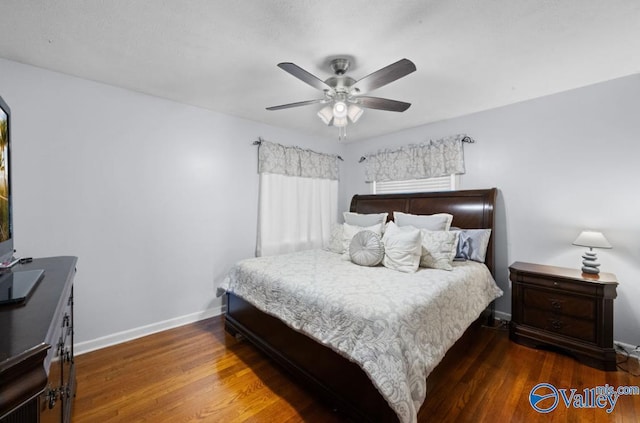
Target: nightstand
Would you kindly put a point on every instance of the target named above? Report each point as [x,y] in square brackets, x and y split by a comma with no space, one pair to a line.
[564,309]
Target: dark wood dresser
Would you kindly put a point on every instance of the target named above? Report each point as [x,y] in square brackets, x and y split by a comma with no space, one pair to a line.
[37,373]
[564,309]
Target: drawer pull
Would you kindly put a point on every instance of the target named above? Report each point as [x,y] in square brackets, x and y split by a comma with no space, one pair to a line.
[556,324]
[555,283]
[52,397]
[65,390]
[556,305]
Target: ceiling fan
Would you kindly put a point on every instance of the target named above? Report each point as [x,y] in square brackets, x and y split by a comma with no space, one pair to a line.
[343,94]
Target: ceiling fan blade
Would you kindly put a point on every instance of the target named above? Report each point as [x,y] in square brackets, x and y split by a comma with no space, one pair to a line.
[304,76]
[298,104]
[382,104]
[385,75]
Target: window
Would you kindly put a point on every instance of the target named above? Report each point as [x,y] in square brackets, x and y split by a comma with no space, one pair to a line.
[295,213]
[439,183]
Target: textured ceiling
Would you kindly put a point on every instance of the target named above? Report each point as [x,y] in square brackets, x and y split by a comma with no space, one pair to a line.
[471,55]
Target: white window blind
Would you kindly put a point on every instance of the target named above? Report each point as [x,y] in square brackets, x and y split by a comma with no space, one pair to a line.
[438,183]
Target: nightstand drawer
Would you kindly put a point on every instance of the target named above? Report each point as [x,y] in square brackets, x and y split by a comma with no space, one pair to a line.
[584,308]
[560,284]
[563,325]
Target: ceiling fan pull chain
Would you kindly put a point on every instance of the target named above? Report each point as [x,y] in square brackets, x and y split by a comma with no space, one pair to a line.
[342,133]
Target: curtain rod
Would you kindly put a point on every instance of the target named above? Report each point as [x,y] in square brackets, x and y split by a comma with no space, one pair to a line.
[466,139]
[259,141]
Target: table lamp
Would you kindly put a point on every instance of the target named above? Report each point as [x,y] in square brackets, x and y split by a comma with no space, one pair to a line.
[591,239]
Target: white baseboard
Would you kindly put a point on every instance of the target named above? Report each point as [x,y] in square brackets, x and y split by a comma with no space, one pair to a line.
[503,316]
[128,335]
[631,349]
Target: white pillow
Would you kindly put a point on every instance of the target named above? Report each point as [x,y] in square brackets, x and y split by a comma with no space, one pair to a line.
[348,231]
[366,220]
[402,248]
[438,249]
[431,222]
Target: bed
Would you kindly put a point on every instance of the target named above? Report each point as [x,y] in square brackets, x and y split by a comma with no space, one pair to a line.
[348,382]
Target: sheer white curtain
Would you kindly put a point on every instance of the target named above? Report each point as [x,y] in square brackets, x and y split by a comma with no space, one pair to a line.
[298,199]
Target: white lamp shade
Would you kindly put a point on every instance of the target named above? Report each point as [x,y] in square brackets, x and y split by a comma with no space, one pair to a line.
[354,113]
[592,239]
[340,121]
[326,114]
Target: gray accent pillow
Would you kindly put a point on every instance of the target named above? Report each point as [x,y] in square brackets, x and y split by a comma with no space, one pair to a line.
[472,244]
[366,249]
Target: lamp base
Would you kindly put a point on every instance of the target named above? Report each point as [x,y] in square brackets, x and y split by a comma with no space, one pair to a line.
[590,270]
[589,264]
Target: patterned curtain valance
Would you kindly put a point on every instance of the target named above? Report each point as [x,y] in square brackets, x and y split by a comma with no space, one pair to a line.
[437,158]
[295,161]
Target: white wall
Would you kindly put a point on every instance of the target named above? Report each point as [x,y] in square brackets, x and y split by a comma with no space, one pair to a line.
[159,199]
[562,163]
[156,198]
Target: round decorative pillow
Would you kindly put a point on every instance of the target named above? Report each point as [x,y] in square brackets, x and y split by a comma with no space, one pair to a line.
[366,248]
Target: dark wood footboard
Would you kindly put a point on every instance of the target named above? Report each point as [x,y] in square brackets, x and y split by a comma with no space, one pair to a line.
[342,383]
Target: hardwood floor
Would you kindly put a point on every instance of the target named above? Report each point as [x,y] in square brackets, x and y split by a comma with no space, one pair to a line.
[198,373]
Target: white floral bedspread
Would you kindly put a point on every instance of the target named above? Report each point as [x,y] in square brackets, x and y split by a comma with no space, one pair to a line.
[396,326]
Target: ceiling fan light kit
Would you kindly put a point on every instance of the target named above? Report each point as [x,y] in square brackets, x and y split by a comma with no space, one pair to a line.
[326,114]
[355,112]
[343,94]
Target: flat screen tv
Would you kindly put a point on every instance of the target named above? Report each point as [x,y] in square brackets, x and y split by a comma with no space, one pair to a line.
[15,284]
[6,223]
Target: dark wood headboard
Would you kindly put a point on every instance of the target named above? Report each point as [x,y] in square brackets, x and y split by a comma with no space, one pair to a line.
[471,209]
